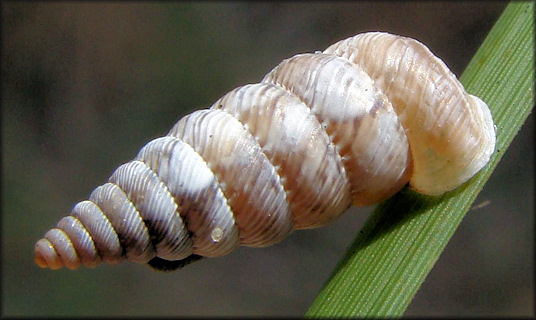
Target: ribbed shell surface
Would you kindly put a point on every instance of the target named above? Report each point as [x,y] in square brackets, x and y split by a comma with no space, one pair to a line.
[451,133]
[349,126]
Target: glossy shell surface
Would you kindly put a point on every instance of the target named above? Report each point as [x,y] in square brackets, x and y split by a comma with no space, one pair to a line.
[321,132]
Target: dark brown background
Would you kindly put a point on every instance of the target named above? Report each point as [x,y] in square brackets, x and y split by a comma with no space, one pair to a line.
[86,85]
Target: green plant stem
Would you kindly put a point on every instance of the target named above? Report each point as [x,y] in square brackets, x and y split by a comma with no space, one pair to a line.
[404,237]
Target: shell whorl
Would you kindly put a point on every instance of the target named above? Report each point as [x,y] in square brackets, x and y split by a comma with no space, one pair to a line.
[349,126]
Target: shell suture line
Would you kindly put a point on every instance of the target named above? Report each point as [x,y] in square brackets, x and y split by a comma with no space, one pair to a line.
[352,124]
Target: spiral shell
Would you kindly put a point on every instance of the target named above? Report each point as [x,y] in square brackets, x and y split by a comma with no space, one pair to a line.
[348,126]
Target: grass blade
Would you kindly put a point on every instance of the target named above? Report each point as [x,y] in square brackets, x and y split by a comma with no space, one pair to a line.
[404,237]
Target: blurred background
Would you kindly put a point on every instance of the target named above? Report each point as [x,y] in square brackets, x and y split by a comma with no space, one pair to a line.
[86,85]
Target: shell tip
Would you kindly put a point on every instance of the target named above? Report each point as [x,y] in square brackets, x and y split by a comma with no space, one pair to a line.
[45,256]
[39,260]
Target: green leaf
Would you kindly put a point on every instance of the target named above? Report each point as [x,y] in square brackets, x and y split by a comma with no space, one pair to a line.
[403,238]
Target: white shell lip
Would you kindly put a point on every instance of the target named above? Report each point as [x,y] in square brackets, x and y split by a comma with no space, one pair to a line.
[481,156]
[485,121]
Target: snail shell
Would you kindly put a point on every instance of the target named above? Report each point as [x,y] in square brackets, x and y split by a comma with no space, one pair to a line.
[348,126]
